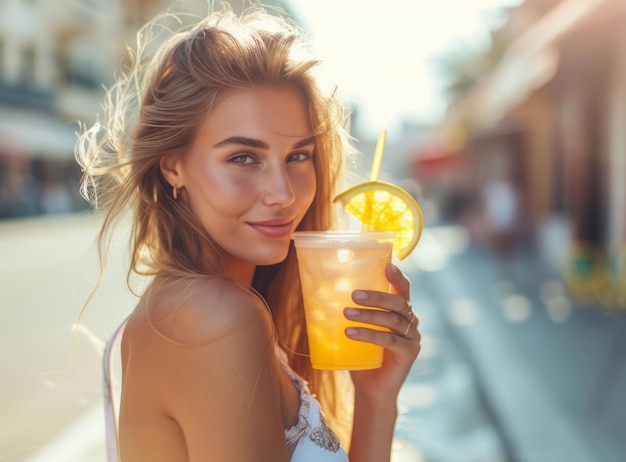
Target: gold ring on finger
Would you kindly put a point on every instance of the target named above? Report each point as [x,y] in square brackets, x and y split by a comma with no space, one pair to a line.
[410,316]
[408,327]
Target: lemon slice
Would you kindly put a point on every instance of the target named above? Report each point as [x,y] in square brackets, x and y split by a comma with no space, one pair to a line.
[382,206]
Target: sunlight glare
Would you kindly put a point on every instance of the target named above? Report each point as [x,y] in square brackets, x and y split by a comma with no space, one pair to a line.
[383,54]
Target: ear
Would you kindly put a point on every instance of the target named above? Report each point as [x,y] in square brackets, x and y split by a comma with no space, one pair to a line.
[170,166]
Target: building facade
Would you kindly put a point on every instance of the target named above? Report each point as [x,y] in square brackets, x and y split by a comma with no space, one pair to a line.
[554,110]
[55,59]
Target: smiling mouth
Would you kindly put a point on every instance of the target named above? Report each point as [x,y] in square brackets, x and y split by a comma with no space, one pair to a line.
[273,230]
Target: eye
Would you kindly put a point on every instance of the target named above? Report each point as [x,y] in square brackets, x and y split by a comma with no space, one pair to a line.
[243,159]
[300,156]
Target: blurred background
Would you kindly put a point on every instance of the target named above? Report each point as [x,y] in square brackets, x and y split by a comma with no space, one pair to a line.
[506,121]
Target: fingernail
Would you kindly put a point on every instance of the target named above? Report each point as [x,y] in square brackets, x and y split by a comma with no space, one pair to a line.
[394,269]
[360,295]
[352,332]
[353,312]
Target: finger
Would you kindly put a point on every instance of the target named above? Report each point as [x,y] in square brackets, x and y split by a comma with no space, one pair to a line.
[391,302]
[388,340]
[399,282]
[389,320]
[409,327]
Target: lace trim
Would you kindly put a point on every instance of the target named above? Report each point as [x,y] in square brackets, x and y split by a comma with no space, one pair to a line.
[294,434]
[322,435]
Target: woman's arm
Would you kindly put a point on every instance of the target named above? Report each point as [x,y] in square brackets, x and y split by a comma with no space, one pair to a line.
[376,390]
[213,371]
[372,431]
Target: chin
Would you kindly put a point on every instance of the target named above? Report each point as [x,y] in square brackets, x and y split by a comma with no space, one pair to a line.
[273,258]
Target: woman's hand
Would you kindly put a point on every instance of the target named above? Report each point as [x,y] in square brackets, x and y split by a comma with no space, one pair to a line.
[401,342]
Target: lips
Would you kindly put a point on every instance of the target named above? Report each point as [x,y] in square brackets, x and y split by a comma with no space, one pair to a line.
[275,228]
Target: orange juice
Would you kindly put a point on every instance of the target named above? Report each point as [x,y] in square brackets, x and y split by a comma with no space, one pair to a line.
[332,265]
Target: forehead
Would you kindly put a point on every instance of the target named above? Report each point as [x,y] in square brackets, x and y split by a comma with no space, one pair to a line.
[259,112]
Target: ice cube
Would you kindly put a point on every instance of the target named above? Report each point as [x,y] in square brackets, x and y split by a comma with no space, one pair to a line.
[343,286]
[345,255]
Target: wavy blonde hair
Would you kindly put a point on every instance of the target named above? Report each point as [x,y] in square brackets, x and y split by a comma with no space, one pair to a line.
[155,108]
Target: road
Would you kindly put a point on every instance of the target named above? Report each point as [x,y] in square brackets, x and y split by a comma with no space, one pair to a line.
[47,270]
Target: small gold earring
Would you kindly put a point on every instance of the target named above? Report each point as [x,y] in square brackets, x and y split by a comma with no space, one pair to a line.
[175,192]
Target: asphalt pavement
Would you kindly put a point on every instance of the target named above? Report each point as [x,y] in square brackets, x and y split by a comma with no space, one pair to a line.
[51,400]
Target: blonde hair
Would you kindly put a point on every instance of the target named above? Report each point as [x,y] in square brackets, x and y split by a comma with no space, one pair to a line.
[155,108]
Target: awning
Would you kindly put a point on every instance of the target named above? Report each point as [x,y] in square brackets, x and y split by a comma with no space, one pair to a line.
[433,159]
[37,134]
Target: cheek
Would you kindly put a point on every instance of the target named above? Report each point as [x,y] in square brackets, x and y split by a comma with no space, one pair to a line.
[306,187]
[220,190]
[229,186]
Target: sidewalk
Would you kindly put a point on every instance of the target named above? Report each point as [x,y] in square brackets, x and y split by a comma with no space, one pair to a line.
[551,372]
[443,416]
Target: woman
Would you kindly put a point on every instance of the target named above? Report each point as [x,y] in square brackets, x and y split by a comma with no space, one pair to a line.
[236,144]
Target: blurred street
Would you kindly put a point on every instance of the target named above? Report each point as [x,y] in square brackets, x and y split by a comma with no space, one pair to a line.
[509,371]
[50,411]
[550,373]
[519,279]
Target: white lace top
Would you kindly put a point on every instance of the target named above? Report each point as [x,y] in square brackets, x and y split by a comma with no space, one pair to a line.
[311,439]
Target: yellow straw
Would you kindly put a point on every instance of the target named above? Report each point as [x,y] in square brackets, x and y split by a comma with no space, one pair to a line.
[378,158]
[378,155]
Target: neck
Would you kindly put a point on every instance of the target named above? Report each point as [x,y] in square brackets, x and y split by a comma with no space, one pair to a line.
[242,272]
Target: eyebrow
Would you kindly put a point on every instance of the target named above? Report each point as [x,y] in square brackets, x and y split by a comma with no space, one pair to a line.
[254,143]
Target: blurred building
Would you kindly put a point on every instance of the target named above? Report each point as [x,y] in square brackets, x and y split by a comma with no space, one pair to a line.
[554,113]
[55,58]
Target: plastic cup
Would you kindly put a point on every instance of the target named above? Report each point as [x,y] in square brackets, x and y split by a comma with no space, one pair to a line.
[332,264]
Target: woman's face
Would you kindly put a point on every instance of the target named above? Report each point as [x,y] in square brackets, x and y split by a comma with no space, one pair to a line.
[249,176]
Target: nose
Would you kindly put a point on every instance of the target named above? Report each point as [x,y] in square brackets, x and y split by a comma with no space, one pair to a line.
[278,188]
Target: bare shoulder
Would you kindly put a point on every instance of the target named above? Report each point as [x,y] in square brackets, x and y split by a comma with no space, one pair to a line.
[200,310]
[198,352]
